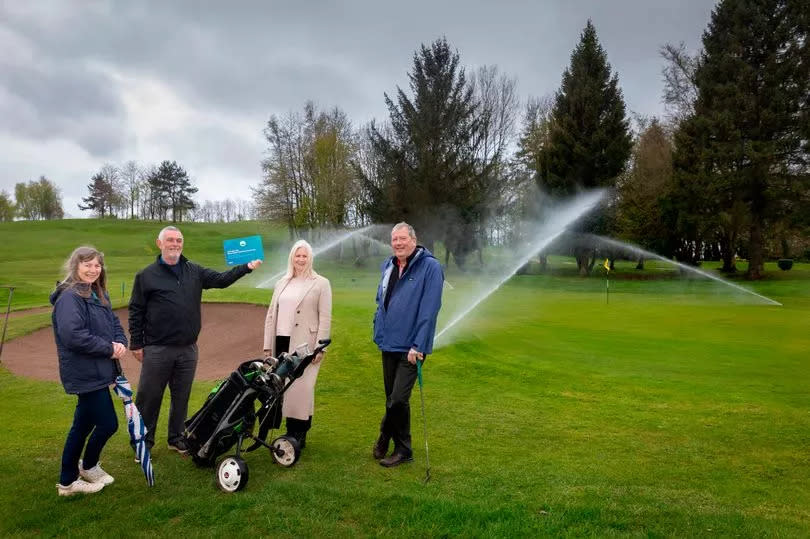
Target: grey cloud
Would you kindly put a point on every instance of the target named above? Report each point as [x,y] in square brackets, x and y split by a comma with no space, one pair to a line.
[247,59]
[69,100]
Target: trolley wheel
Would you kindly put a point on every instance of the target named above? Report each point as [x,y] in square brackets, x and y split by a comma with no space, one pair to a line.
[285,450]
[232,474]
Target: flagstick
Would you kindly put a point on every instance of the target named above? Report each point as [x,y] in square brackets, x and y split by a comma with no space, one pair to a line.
[607,289]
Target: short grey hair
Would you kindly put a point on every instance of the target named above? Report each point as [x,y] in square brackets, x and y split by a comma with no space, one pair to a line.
[162,232]
[403,224]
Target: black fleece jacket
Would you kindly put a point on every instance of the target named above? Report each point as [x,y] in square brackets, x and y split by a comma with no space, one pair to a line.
[165,306]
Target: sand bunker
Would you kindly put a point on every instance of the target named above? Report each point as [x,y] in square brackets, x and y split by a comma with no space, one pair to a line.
[231,333]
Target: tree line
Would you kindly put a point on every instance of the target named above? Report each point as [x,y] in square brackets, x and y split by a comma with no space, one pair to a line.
[34,200]
[726,173]
[161,192]
[729,172]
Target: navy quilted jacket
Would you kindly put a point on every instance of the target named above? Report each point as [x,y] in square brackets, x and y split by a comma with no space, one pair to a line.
[84,329]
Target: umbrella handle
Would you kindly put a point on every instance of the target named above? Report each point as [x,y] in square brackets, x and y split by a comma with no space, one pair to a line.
[118,367]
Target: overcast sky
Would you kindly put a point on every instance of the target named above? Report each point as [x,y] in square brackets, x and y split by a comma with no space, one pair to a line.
[84,83]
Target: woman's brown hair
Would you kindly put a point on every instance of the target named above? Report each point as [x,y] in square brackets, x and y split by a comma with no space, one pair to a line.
[72,280]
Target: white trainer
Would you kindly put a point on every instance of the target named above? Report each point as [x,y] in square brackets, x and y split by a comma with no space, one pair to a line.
[95,475]
[79,486]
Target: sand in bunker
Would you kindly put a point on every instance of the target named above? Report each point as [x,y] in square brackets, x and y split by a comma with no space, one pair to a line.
[231,333]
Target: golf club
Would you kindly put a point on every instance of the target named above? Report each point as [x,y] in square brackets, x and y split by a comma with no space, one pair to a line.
[424,420]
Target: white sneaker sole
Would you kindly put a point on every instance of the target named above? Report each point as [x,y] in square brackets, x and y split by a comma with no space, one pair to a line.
[66,491]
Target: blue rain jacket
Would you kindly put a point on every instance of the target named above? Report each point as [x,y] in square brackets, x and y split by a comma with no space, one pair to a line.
[84,330]
[410,319]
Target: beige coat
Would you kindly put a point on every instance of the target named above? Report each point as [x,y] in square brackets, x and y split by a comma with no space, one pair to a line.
[312,322]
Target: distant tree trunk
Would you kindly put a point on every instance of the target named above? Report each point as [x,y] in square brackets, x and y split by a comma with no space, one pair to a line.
[584,263]
[640,264]
[543,262]
[728,261]
[592,262]
[755,256]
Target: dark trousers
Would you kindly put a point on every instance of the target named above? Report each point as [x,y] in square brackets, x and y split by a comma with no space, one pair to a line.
[398,378]
[166,365]
[295,427]
[94,417]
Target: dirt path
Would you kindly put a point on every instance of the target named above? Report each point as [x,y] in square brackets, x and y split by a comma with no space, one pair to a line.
[25,312]
[231,333]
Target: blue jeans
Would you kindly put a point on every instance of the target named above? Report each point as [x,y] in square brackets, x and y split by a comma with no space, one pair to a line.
[94,417]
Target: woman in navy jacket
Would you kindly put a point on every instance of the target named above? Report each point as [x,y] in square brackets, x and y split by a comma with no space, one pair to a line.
[89,339]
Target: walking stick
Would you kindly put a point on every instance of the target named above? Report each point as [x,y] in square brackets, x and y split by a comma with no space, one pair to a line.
[424,420]
[5,322]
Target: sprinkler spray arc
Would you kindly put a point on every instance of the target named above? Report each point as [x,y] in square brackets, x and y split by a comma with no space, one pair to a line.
[698,271]
[271,281]
[551,229]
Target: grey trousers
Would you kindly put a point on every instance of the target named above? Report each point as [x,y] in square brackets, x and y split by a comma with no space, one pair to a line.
[166,365]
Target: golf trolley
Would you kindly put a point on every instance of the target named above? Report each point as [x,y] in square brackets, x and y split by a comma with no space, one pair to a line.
[229,415]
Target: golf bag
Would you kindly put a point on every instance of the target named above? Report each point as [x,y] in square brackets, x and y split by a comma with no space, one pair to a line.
[229,415]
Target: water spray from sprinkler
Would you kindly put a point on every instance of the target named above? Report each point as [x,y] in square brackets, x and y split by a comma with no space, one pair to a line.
[551,229]
[648,254]
[316,250]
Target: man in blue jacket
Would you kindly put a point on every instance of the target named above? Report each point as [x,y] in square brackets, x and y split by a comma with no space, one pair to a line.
[408,300]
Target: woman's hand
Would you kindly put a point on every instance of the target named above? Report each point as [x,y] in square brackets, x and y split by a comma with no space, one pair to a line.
[318,358]
[118,350]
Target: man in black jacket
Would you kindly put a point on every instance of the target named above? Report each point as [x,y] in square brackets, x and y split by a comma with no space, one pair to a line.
[164,322]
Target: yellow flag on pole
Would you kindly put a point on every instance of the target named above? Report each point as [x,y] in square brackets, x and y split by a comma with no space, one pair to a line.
[607,264]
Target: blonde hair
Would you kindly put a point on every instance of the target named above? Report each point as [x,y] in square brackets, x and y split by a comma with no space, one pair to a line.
[71,269]
[308,271]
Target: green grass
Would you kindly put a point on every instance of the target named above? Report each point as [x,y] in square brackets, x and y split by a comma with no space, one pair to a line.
[678,409]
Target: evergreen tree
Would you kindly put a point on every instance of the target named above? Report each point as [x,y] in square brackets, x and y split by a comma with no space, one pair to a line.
[172,188]
[752,112]
[589,138]
[429,175]
[99,194]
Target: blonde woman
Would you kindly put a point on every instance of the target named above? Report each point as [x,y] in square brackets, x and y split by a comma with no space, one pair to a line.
[89,339]
[300,313]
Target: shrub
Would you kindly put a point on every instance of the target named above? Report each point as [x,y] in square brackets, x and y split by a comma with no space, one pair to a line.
[785,263]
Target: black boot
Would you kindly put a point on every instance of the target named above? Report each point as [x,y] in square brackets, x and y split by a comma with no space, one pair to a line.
[297,428]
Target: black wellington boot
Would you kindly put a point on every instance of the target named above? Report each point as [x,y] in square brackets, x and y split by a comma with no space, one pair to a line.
[297,428]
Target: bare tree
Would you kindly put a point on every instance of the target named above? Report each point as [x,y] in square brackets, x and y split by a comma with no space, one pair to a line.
[308,170]
[132,181]
[680,87]
[498,104]
[112,176]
